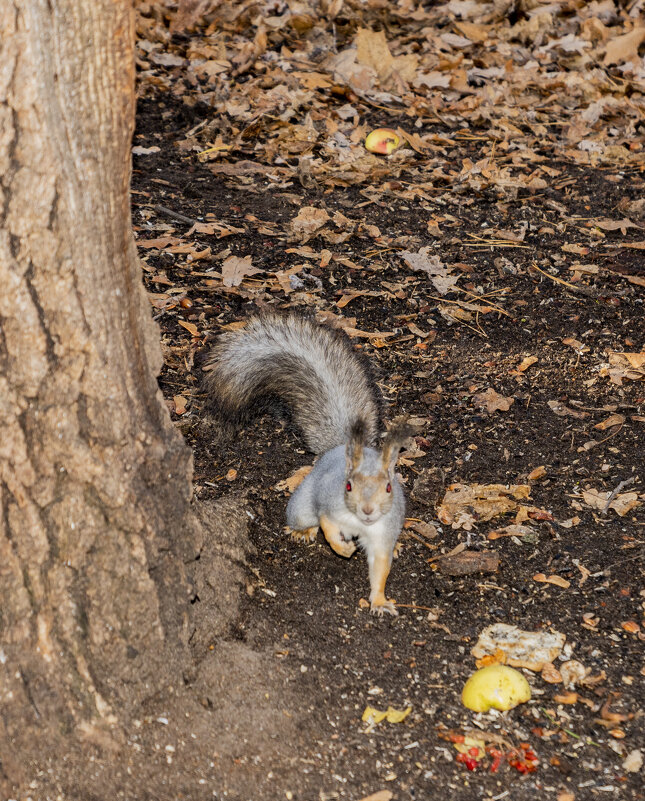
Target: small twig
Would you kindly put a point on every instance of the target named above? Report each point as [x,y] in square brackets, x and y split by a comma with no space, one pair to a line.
[414,536]
[582,290]
[614,493]
[175,215]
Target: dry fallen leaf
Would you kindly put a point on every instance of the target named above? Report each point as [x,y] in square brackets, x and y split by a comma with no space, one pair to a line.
[625,366]
[551,674]
[566,698]
[234,269]
[580,347]
[612,420]
[514,530]
[426,261]
[180,404]
[308,220]
[464,505]
[557,407]
[622,503]
[624,48]
[191,327]
[493,401]
[558,581]
[526,363]
[380,795]
[633,761]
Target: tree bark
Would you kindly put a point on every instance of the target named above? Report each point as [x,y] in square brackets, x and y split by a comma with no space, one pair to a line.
[95,524]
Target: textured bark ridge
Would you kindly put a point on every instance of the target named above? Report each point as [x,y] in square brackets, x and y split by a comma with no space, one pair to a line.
[95,525]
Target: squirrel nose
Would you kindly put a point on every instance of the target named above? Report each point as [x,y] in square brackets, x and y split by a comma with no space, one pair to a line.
[367,510]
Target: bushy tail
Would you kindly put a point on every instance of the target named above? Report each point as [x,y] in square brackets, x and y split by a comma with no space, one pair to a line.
[313,369]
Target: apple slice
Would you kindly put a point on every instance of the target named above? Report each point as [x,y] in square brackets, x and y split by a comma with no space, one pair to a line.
[383,141]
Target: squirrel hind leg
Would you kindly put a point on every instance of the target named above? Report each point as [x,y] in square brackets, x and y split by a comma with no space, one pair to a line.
[379,569]
[304,534]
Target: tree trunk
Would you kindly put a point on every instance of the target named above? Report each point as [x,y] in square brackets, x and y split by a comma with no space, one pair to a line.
[94,479]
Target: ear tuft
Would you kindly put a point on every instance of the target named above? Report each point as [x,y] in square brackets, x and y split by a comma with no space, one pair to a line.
[398,432]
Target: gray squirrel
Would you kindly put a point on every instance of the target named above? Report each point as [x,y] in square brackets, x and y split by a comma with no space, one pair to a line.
[352,493]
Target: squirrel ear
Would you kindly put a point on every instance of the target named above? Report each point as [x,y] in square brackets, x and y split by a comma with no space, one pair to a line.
[355,445]
[398,432]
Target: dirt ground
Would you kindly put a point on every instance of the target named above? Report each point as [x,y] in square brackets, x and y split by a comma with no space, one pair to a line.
[543,296]
[304,615]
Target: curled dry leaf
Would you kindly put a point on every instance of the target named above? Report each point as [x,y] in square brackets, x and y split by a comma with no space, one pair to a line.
[631,626]
[575,344]
[624,48]
[191,327]
[551,674]
[558,581]
[537,473]
[514,530]
[427,530]
[566,698]
[526,363]
[559,408]
[612,420]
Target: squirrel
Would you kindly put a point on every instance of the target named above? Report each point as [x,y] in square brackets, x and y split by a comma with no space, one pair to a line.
[352,493]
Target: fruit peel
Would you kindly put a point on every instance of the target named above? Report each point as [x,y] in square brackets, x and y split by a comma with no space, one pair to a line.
[497,687]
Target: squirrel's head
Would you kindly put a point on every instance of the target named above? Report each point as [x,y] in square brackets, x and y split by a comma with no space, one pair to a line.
[370,474]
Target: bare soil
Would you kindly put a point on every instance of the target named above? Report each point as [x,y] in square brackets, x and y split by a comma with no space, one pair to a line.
[286,690]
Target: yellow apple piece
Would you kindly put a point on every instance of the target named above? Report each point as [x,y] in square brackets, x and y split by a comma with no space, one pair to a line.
[382,140]
[497,686]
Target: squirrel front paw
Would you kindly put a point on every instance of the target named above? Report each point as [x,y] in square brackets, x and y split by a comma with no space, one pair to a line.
[380,605]
[342,547]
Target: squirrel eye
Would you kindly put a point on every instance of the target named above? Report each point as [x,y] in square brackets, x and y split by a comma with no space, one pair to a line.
[388,488]
[348,486]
